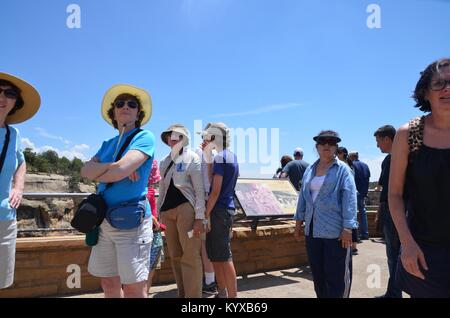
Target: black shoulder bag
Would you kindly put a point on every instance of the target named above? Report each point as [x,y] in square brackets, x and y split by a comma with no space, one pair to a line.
[92,210]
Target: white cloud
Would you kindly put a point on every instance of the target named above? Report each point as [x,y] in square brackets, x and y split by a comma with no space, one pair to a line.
[43,133]
[47,148]
[78,151]
[82,147]
[27,143]
[261,110]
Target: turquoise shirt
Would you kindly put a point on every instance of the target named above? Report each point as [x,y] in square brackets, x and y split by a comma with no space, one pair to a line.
[14,158]
[125,189]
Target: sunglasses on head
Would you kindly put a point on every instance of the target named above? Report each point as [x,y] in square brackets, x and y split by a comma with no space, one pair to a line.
[9,93]
[121,103]
[325,141]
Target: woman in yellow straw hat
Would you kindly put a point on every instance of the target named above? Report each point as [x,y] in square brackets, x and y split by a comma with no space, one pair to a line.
[19,101]
[121,257]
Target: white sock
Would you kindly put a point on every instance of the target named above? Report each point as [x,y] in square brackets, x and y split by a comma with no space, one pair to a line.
[209,278]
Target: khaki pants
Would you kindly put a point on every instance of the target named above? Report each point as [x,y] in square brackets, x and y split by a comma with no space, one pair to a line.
[184,251]
[8,234]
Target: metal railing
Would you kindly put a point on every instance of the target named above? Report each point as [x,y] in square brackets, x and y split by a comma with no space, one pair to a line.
[45,195]
[77,197]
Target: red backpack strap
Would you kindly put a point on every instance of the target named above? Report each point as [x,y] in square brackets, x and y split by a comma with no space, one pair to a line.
[415,133]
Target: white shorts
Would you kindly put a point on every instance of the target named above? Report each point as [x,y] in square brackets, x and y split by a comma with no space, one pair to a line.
[123,253]
[8,235]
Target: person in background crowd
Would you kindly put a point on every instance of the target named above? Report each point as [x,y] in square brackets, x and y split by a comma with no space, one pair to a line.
[220,208]
[19,101]
[327,207]
[419,185]
[209,280]
[295,169]
[181,205]
[284,161]
[362,177]
[342,154]
[384,137]
[157,250]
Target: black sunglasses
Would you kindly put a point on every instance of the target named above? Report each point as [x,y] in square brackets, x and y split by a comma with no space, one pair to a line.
[9,93]
[439,84]
[121,103]
[331,142]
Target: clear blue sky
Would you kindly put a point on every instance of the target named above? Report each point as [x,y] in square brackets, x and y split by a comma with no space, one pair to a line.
[300,66]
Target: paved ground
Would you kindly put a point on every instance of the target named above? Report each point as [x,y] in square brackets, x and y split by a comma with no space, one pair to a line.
[370,276]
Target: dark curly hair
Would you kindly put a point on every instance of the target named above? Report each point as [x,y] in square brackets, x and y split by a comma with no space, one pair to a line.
[423,85]
[19,101]
[285,160]
[127,97]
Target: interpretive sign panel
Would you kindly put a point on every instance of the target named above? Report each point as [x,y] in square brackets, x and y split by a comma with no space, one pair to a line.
[266,197]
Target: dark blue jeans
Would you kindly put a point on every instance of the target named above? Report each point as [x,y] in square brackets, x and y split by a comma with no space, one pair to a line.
[392,249]
[331,266]
[363,227]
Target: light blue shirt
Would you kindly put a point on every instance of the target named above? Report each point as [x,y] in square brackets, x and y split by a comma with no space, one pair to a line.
[125,189]
[335,206]
[14,158]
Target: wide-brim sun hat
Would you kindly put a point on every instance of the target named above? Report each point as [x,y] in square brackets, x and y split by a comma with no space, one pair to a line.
[116,90]
[177,128]
[30,96]
[327,135]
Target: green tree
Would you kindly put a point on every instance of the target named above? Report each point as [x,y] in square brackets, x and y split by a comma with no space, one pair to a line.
[76,165]
[52,158]
[64,166]
[30,159]
[42,165]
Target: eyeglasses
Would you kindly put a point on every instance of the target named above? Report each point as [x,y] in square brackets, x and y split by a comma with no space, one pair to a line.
[9,93]
[439,84]
[323,142]
[121,103]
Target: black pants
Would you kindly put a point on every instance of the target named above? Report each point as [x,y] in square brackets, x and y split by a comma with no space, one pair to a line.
[437,278]
[331,266]
[392,249]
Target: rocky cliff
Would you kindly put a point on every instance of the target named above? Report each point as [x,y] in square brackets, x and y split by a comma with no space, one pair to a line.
[49,213]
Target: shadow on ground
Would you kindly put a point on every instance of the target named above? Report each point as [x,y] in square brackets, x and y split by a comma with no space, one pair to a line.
[255,281]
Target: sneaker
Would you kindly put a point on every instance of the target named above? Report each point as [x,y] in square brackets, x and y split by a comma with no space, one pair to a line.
[355,251]
[210,289]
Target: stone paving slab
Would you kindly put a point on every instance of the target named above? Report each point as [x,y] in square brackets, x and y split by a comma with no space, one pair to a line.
[370,277]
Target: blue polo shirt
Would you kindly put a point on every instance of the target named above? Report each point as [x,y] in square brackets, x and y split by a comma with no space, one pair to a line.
[125,189]
[362,176]
[226,165]
[14,158]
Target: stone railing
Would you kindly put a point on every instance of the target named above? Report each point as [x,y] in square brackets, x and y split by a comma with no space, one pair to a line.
[44,265]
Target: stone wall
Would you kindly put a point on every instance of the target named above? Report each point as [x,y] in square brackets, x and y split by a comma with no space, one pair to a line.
[41,263]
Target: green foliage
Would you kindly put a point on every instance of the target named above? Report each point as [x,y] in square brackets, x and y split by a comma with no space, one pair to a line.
[49,162]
